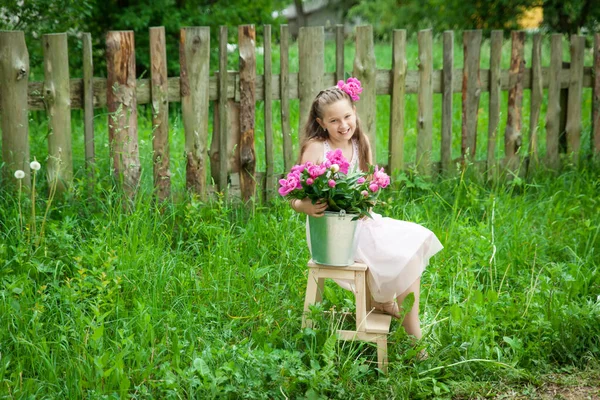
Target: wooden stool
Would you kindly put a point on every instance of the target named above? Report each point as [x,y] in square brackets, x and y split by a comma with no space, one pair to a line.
[370,327]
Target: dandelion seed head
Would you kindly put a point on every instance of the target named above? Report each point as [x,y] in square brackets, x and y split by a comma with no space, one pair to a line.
[34,165]
[19,174]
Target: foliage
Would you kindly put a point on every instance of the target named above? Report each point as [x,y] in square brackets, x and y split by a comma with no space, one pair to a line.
[559,16]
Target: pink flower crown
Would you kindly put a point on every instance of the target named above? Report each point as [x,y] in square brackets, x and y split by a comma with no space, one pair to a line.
[352,87]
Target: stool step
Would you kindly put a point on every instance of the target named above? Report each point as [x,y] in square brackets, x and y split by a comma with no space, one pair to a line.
[378,323]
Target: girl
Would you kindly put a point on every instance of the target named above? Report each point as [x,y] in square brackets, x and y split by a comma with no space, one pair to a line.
[396,251]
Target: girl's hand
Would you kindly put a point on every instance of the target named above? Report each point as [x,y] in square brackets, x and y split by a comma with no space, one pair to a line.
[307,207]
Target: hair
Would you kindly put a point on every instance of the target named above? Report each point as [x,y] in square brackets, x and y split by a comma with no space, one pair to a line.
[314,131]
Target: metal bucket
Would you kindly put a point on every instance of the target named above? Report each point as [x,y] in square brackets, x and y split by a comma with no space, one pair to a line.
[333,238]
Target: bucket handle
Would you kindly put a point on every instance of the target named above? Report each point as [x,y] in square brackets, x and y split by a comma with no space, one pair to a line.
[342,214]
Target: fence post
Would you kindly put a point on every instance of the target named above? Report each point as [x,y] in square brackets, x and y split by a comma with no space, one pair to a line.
[447,88]
[537,93]
[494,104]
[194,56]
[246,42]
[425,121]
[471,92]
[88,104]
[399,63]
[268,109]
[122,108]
[573,127]
[512,134]
[57,100]
[595,135]
[365,70]
[311,45]
[284,87]
[160,112]
[14,78]
[220,124]
[552,113]
[339,52]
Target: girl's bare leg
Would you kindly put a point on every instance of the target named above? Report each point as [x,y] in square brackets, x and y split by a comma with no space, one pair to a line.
[411,322]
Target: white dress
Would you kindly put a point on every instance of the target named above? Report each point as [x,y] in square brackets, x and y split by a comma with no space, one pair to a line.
[397,252]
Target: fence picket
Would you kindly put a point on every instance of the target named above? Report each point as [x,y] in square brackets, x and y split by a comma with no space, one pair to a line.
[471,91]
[573,127]
[284,90]
[553,110]
[269,160]
[160,112]
[339,52]
[311,57]
[537,92]
[425,119]
[595,135]
[14,75]
[220,124]
[396,143]
[446,144]
[494,102]
[122,109]
[58,109]
[512,134]
[246,41]
[194,56]
[88,104]
[365,71]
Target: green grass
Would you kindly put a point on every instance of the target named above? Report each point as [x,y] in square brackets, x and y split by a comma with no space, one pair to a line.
[202,300]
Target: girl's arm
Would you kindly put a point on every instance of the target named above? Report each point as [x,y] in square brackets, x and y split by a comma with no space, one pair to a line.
[313,153]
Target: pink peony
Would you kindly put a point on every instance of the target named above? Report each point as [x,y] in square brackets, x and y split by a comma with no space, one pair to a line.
[288,185]
[361,180]
[337,157]
[373,187]
[309,181]
[316,170]
[352,87]
[331,183]
[381,178]
[364,193]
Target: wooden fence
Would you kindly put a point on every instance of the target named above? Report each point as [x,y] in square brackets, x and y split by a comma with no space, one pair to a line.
[235,95]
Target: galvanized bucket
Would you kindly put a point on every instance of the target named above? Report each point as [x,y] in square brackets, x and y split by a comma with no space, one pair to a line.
[333,238]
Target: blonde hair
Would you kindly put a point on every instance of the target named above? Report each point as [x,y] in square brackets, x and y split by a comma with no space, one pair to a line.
[314,131]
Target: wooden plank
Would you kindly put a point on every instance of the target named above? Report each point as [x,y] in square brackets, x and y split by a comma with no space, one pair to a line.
[365,71]
[160,113]
[595,136]
[537,93]
[399,66]
[122,109]
[383,85]
[512,134]
[425,119]
[246,41]
[448,65]
[284,94]
[574,127]
[470,92]
[88,104]
[232,151]
[553,110]
[268,109]
[223,110]
[494,102]
[194,58]
[58,109]
[339,52]
[14,75]
[311,54]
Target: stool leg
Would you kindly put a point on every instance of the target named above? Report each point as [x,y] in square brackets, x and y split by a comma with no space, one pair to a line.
[382,354]
[361,301]
[313,295]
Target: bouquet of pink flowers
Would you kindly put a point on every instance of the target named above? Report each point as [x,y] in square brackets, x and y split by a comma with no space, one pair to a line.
[353,192]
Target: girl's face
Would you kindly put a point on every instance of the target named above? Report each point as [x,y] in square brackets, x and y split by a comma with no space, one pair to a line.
[339,119]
